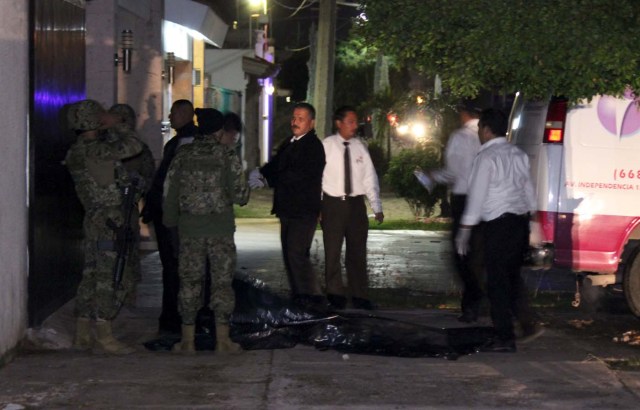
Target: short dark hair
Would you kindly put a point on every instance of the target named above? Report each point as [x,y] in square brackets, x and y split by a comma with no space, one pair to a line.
[342,112]
[495,119]
[470,107]
[182,104]
[308,107]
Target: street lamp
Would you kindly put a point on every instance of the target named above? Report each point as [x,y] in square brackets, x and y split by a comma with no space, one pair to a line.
[257,3]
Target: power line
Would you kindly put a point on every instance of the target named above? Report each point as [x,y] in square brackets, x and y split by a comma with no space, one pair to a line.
[302,5]
[296,8]
[298,49]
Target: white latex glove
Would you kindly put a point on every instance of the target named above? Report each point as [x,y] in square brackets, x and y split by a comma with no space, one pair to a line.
[256,180]
[462,241]
[424,179]
[535,234]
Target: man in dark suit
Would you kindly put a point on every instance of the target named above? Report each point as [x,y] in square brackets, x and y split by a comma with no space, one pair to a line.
[295,173]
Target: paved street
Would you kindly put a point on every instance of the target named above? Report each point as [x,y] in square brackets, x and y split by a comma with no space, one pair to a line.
[561,370]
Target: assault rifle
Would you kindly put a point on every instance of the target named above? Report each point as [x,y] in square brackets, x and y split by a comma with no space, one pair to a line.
[125,236]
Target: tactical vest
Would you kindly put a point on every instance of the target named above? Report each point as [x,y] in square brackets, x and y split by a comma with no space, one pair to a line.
[204,180]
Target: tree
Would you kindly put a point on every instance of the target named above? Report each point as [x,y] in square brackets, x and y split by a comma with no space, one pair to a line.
[362,81]
[400,177]
[574,48]
[354,73]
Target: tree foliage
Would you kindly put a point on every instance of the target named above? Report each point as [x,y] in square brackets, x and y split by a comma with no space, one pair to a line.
[354,53]
[355,73]
[400,177]
[574,48]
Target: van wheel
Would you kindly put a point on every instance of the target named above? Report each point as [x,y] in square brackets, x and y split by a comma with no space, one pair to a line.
[631,282]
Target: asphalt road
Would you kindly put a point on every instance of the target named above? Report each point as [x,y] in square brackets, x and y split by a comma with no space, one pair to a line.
[575,365]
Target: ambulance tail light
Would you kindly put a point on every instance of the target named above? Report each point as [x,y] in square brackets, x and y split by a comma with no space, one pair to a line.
[554,124]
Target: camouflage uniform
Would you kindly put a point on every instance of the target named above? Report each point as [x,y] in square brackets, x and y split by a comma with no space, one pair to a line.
[99,176]
[204,180]
[142,164]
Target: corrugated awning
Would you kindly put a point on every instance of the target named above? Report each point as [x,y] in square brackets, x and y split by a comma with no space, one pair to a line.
[259,67]
[197,17]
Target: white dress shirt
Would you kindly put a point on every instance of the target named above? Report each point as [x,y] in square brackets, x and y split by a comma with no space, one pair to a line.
[294,138]
[462,148]
[364,180]
[500,182]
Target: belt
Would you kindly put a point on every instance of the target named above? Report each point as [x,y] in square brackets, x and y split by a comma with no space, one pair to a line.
[511,215]
[342,197]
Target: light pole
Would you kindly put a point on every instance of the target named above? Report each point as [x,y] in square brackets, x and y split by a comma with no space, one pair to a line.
[262,18]
[262,50]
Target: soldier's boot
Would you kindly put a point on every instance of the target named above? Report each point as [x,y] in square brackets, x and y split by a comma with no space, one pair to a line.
[107,342]
[82,339]
[186,345]
[224,342]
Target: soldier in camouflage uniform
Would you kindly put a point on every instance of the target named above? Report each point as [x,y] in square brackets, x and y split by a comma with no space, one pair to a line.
[204,180]
[94,162]
[122,119]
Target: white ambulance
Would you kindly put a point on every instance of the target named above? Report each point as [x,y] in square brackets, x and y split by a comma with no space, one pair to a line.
[585,162]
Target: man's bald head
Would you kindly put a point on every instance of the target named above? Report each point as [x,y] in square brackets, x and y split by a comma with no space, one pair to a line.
[181,114]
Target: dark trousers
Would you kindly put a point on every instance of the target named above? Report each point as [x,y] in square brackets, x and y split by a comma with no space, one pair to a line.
[169,318]
[345,220]
[506,239]
[296,236]
[469,267]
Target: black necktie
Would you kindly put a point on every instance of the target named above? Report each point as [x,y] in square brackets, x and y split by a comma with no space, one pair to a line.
[347,169]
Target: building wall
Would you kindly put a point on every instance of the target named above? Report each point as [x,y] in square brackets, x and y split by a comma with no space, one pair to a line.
[142,87]
[101,45]
[225,68]
[13,201]
[66,33]
[48,48]
[198,73]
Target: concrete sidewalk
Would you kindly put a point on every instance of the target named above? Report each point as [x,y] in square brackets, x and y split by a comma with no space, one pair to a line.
[555,371]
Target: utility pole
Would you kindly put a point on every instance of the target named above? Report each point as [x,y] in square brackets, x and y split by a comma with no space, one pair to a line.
[325,57]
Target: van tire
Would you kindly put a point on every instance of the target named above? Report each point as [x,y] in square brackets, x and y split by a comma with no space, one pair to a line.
[631,281]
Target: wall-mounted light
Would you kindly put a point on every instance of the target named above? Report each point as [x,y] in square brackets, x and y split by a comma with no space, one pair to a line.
[270,89]
[171,65]
[126,43]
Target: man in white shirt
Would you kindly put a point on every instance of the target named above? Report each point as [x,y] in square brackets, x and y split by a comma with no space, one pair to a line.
[501,194]
[462,148]
[348,177]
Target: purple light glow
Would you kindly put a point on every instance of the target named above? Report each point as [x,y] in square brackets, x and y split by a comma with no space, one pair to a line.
[45,99]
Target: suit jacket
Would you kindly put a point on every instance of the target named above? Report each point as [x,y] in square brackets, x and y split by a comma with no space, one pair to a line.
[295,173]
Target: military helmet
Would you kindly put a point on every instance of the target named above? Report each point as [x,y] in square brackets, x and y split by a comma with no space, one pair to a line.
[125,114]
[85,115]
